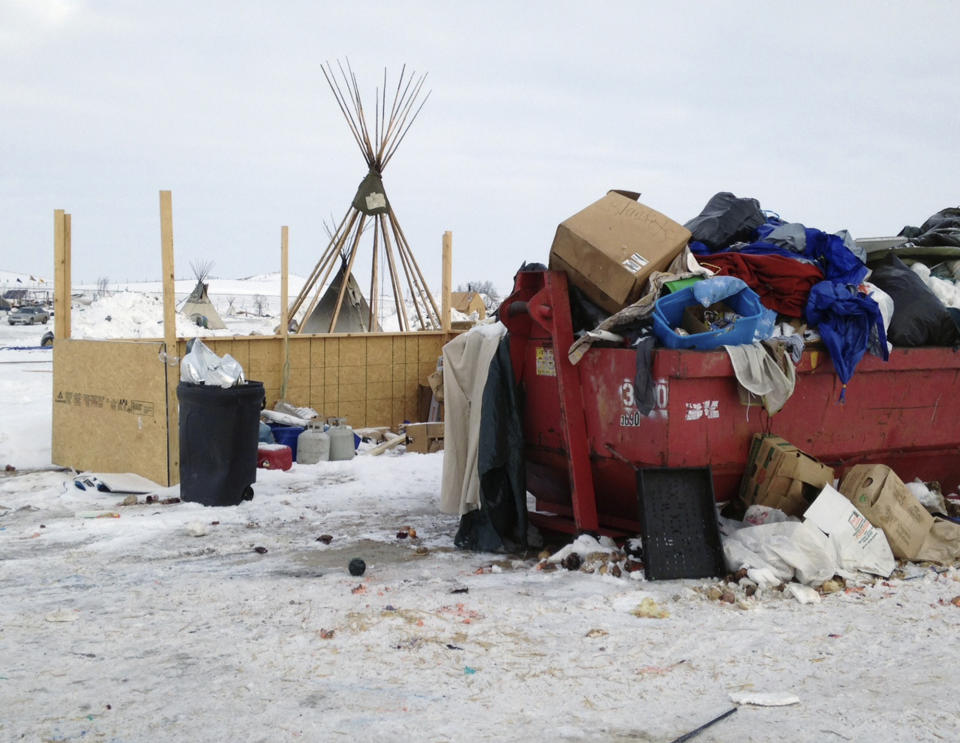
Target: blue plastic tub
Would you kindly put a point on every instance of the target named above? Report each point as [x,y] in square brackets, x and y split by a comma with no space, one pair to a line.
[668,314]
[287,435]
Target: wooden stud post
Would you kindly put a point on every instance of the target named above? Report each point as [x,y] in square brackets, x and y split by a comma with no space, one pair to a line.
[447,278]
[284,245]
[59,274]
[170,337]
[67,275]
[284,318]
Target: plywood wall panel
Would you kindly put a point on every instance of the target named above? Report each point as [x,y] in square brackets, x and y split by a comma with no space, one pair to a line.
[372,380]
[110,408]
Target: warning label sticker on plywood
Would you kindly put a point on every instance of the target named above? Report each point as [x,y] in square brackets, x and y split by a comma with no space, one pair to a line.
[546,364]
[118,404]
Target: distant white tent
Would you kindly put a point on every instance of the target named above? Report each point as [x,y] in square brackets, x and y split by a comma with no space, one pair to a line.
[354,316]
[200,309]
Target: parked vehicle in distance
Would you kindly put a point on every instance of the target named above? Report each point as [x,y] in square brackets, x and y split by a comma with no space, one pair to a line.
[28,316]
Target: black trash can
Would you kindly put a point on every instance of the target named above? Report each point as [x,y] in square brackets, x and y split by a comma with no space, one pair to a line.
[219,429]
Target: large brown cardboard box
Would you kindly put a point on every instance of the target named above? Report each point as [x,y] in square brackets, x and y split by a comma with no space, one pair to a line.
[610,248]
[889,505]
[424,438]
[781,476]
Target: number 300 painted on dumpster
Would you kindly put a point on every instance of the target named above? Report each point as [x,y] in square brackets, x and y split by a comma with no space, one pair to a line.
[631,417]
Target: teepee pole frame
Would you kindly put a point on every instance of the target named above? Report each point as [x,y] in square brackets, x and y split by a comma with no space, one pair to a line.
[397,293]
[330,261]
[312,279]
[347,274]
[378,141]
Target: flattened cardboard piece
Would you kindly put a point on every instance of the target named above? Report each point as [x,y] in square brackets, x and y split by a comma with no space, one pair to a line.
[781,476]
[882,497]
[610,248]
[942,544]
[860,545]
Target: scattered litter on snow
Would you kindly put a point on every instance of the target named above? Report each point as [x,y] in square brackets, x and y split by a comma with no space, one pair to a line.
[650,609]
[764,699]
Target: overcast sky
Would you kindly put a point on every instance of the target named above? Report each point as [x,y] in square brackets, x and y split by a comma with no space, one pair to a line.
[835,114]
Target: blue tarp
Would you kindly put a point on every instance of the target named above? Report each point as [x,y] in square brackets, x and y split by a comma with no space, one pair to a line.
[843,316]
[828,251]
[845,319]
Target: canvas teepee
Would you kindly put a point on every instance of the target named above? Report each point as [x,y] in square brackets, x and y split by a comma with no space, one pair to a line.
[354,310]
[369,206]
[198,306]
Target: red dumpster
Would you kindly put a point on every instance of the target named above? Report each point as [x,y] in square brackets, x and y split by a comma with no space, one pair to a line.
[584,435]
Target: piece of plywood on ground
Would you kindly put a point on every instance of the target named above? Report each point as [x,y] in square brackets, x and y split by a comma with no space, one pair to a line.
[110,408]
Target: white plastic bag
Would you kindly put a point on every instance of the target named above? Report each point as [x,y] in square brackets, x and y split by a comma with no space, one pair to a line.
[202,366]
[860,545]
[757,514]
[790,549]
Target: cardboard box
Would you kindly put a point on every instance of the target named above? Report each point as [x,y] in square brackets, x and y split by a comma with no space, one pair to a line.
[609,249]
[889,505]
[424,438]
[781,476]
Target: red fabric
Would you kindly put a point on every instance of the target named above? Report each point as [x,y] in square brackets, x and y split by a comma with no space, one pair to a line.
[782,283]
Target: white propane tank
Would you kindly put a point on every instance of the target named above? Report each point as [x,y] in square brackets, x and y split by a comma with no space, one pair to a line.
[341,440]
[313,445]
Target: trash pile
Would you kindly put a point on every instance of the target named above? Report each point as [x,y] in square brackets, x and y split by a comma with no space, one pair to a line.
[801,533]
[780,298]
[636,273]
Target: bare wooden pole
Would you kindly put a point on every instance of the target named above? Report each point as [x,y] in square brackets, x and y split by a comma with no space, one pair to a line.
[347,274]
[311,280]
[397,293]
[284,285]
[407,272]
[67,276]
[330,259]
[423,294]
[59,274]
[419,273]
[170,336]
[372,319]
[284,318]
[447,278]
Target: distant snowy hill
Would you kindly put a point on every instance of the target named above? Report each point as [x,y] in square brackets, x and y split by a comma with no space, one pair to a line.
[135,310]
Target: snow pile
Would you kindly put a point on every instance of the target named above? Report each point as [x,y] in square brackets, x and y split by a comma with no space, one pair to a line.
[127,315]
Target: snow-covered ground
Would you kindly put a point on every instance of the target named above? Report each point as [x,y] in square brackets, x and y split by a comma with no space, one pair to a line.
[175,622]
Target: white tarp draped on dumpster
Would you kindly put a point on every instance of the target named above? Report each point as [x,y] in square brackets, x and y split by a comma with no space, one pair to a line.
[466,361]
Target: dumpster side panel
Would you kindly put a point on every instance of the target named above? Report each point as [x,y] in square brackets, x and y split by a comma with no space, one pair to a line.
[903,413]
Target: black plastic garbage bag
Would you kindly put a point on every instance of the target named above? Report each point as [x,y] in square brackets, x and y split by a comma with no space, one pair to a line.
[919,317]
[219,432]
[943,228]
[726,220]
